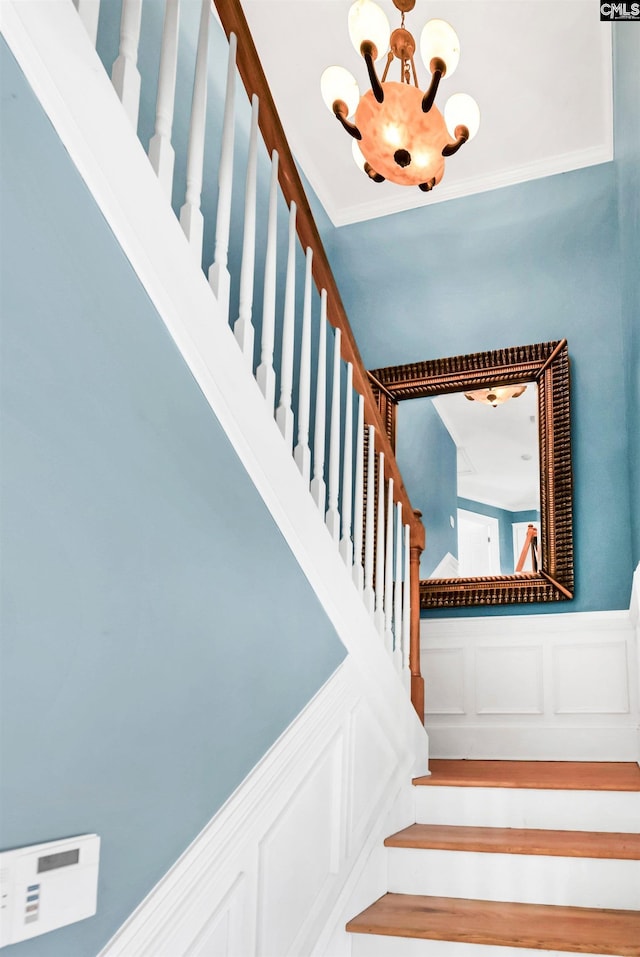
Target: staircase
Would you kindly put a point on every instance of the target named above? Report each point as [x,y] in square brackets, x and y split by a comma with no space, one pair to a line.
[516,856]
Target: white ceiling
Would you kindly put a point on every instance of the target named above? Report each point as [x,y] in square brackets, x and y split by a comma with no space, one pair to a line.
[540,71]
[498,457]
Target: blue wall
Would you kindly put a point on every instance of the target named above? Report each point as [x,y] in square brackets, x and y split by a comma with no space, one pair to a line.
[627,145]
[543,260]
[427,458]
[158,634]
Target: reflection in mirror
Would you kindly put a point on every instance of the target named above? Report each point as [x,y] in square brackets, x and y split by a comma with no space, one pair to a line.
[471,465]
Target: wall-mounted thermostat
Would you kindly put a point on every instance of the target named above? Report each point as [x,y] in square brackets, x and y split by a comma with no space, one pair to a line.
[46,886]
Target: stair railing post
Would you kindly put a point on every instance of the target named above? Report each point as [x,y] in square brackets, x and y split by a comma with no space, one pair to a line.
[417,681]
[332,518]
[346,545]
[358,500]
[191,218]
[265,374]
[318,485]
[219,277]
[370,497]
[397,593]
[380,555]
[302,452]
[125,75]
[284,412]
[161,152]
[243,326]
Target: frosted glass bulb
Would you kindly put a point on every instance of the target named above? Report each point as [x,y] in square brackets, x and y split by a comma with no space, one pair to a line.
[368,21]
[439,39]
[356,152]
[336,83]
[462,110]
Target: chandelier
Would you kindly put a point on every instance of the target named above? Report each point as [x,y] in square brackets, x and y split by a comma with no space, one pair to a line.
[496,396]
[398,132]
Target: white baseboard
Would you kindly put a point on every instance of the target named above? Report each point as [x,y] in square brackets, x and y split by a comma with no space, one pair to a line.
[277,866]
[554,687]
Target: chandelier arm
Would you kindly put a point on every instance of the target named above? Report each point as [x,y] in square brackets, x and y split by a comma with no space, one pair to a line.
[415,75]
[388,64]
[461,134]
[376,85]
[430,95]
[341,111]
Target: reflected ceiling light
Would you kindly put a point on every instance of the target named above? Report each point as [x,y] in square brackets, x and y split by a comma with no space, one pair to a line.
[401,135]
[495,396]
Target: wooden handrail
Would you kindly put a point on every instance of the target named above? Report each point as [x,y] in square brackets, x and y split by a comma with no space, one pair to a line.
[233,21]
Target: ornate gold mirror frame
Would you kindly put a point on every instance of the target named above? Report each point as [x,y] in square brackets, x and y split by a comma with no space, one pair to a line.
[546,364]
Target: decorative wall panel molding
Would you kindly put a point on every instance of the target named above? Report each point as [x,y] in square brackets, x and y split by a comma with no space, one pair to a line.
[555,687]
[274,870]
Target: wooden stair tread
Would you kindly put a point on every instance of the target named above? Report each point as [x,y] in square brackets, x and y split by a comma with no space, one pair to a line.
[507,840]
[579,930]
[546,775]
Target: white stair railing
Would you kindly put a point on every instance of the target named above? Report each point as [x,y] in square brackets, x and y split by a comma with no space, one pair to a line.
[363,514]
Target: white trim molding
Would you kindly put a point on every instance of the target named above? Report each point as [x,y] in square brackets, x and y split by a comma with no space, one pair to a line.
[537,687]
[278,867]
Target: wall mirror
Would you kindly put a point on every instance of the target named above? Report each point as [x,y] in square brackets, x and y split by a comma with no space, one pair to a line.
[483,444]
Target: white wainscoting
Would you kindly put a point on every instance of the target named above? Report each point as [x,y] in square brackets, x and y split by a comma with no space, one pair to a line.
[555,687]
[281,867]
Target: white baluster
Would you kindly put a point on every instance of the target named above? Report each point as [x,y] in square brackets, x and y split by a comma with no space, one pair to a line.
[124,73]
[379,614]
[397,593]
[89,13]
[332,517]
[318,487]
[243,327]
[161,152]
[358,500]
[284,412]
[406,602]
[302,452]
[369,594]
[388,572]
[191,218]
[265,374]
[346,546]
[219,276]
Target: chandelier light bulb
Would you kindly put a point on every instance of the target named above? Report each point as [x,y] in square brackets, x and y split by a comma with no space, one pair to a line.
[440,41]
[462,110]
[368,21]
[336,83]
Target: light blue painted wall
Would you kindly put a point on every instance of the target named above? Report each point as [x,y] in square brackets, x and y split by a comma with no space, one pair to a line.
[627,144]
[543,260]
[427,457]
[158,634]
[506,521]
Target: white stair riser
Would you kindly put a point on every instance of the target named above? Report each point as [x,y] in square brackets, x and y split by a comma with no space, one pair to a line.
[373,945]
[613,811]
[528,879]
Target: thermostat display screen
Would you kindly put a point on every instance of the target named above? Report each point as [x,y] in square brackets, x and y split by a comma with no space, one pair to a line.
[63,859]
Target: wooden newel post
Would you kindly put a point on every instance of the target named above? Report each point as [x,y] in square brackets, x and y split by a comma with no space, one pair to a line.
[417,681]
